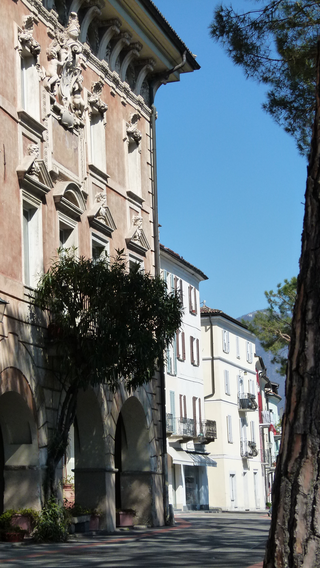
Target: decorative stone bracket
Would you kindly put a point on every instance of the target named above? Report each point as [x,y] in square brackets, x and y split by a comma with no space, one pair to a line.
[96,105]
[134,135]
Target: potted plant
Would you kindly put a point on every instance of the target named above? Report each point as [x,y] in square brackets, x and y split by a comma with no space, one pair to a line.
[68,489]
[124,517]
[81,514]
[25,519]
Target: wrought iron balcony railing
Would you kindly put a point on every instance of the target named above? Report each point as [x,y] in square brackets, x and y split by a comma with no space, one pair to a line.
[247,401]
[248,449]
[204,431]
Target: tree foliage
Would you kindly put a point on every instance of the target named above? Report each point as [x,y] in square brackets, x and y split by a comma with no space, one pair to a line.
[275,43]
[273,325]
[107,325]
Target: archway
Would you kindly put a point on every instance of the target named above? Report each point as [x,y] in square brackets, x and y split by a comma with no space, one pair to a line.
[132,461]
[20,479]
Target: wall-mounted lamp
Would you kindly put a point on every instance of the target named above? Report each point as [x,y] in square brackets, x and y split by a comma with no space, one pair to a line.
[3,305]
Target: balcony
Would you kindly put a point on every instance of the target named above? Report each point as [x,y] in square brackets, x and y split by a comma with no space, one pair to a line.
[209,431]
[268,458]
[247,402]
[202,432]
[267,417]
[248,449]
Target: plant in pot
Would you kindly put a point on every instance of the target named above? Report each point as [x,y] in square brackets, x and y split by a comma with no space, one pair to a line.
[76,510]
[53,523]
[68,489]
[8,531]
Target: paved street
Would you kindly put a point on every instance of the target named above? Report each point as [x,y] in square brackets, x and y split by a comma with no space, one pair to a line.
[223,540]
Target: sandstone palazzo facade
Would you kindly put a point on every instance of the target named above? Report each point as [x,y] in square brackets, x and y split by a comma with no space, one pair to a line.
[77,135]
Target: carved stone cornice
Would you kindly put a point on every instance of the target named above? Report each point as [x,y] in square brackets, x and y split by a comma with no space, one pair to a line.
[33,174]
[122,41]
[133,52]
[72,208]
[112,28]
[147,67]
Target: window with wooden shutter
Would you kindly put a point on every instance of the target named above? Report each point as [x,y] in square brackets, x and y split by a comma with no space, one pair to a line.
[194,410]
[226,382]
[192,300]
[238,347]
[229,429]
[225,341]
[192,350]
[181,290]
[178,335]
[183,346]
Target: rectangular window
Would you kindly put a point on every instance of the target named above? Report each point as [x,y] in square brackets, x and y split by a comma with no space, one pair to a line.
[249,352]
[194,411]
[194,351]
[229,429]
[172,358]
[183,405]
[98,141]
[181,345]
[178,287]
[135,262]
[252,431]
[134,168]
[251,386]
[225,341]
[68,236]
[99,247]
[192,300]
[32,240]
[226,382]
[238,347]
[30,94]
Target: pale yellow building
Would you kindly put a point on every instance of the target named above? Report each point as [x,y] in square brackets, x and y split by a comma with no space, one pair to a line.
[230,394]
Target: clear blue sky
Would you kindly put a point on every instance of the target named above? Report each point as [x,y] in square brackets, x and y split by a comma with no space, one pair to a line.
[231,182]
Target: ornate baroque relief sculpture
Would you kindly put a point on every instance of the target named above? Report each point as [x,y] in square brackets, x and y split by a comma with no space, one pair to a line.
[64,75]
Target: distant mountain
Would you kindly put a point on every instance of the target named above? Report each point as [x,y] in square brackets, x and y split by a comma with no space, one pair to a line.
[271,367]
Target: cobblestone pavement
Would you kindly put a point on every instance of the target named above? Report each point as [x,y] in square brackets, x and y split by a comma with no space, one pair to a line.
[224,540]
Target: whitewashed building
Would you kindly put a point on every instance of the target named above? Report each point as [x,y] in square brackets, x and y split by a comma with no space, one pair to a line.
[270,429]
[230,395]
[187,430]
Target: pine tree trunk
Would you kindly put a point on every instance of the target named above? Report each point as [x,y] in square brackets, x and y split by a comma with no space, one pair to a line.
[294,539]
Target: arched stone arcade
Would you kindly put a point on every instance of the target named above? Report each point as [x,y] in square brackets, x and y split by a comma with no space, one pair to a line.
[20,468]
